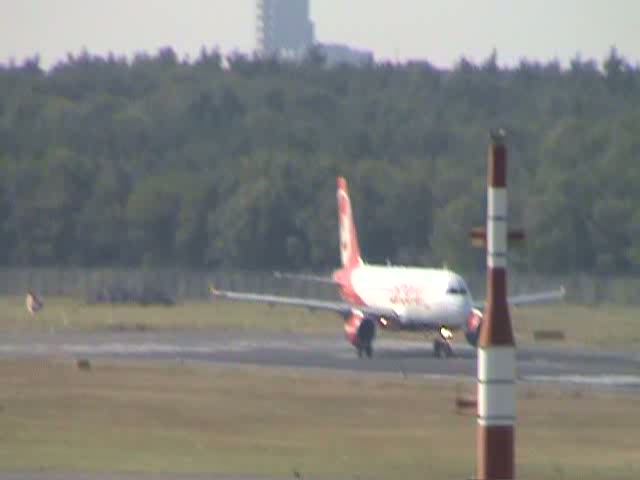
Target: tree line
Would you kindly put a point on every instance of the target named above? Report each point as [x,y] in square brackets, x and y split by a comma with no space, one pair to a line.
[231,162]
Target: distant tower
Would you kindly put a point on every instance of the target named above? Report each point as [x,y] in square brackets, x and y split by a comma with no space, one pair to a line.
[283,27]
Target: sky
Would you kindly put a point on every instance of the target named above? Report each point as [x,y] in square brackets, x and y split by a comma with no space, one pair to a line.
[438,31]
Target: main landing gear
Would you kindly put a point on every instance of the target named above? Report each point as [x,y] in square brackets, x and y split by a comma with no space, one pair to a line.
[442,345]
[365,350]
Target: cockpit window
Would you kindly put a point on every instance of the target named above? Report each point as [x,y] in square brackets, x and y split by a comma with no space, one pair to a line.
[456,291]
[457,287]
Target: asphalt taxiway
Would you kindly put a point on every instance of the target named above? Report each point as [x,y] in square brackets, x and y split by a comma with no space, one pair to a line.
[559,365]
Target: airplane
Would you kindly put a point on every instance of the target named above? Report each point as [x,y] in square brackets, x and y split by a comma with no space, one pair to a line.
[391,298]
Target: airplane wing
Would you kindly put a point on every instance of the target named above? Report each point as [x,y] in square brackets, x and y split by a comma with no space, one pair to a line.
[341,308]
[531,298]
[305,277]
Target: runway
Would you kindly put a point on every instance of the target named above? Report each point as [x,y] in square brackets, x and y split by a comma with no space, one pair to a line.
[405,357]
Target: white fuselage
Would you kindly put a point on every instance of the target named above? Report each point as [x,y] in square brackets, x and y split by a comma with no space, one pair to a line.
[421,298]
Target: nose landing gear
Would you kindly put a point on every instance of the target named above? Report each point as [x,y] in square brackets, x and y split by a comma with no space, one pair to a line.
[442,345]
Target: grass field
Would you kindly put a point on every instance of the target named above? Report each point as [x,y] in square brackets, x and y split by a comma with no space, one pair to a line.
[192,419]
[61,313]
[607,327]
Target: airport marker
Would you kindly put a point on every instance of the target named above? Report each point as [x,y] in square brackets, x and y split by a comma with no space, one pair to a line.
[496,346]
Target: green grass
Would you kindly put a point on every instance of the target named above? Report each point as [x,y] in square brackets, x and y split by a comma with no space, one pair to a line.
[244,421]
[66,313]
[605,327]
[610,327]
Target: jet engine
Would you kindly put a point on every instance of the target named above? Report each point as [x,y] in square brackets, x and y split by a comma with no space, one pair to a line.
[360,331]
[472,327]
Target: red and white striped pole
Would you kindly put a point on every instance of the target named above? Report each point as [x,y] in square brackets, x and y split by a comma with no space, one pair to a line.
[496,346]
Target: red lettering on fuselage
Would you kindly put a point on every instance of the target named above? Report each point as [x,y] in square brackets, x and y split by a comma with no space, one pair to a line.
[405,294]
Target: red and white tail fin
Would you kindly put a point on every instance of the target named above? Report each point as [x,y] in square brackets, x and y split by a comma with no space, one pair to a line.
[349,248]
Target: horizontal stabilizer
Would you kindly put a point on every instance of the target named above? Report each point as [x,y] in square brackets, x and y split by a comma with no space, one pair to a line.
[305,277]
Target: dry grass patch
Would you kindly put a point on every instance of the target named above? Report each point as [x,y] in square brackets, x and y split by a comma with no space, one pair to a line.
[182,418]
[610,327]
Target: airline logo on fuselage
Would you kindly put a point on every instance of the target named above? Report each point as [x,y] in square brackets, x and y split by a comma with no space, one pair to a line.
[407,295]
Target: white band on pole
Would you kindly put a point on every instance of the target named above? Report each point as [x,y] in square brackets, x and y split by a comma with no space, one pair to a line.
[497,363]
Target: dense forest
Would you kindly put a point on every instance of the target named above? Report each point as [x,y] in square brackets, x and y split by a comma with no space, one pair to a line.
[231,162]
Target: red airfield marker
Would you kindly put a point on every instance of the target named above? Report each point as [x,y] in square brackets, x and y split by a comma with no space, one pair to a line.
[496,346]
